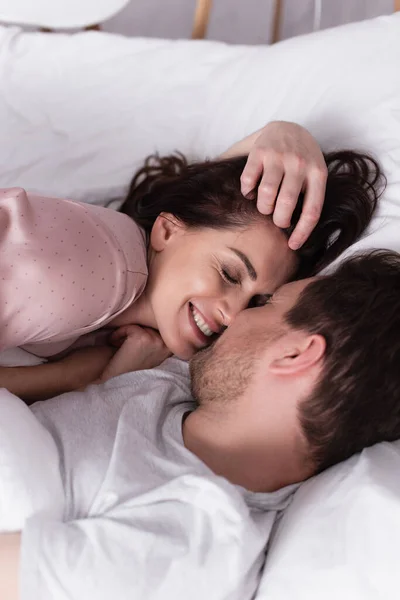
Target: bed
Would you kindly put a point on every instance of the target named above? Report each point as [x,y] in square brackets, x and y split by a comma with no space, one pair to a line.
[80,112]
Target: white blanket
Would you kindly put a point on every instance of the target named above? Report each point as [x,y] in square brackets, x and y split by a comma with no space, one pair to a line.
[30,480]
[79,115]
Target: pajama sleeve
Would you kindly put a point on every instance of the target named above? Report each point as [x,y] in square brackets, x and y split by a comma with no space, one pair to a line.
[201,544]
[66,268]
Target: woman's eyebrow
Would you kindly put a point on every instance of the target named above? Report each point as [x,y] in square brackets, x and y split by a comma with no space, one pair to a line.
[250,269]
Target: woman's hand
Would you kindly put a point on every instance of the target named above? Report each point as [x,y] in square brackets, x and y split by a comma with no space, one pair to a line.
[284,160]
[139,348]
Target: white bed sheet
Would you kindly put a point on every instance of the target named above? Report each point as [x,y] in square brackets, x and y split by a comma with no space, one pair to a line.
[80,113]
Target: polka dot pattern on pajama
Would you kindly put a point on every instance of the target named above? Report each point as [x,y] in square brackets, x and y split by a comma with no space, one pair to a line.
[66,269]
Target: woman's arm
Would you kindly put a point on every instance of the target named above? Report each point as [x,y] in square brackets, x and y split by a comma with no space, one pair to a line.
[284,160]
[10,547]
[40,382]
[136,348]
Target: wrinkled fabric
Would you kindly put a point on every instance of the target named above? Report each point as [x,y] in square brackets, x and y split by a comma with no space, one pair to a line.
[143,517]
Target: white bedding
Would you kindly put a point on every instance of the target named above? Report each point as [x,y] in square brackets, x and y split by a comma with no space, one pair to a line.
[30,479]
[80,113]
[340,536]
[56,14]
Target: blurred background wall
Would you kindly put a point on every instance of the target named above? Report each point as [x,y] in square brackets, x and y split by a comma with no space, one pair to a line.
[239,21]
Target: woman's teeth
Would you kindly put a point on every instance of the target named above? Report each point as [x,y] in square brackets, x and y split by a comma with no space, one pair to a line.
[204,328]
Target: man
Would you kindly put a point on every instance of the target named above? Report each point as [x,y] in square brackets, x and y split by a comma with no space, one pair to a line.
[288,390]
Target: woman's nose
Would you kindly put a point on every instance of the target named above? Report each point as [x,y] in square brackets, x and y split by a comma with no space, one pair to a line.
[230,307]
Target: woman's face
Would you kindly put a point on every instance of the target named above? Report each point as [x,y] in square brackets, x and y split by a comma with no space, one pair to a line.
[200,279]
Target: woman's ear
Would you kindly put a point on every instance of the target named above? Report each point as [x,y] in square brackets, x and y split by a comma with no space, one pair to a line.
[165,228]
[299,355]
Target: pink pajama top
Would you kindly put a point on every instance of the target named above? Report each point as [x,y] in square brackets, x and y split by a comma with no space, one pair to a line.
[66,269]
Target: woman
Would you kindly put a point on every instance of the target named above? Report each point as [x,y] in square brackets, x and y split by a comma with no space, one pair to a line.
[209,255]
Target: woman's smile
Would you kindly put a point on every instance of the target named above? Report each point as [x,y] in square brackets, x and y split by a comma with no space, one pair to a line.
[203,327]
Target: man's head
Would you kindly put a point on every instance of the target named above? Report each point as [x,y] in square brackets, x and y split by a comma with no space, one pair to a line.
[317,369]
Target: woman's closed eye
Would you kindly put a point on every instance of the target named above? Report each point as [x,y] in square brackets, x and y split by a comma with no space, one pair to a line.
[230,277]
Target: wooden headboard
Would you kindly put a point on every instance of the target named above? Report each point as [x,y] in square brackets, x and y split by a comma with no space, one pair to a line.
[203,11]
[201,20]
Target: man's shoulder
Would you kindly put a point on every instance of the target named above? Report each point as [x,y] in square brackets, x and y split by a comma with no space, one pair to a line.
[168,380]
[176,370]
[152,398]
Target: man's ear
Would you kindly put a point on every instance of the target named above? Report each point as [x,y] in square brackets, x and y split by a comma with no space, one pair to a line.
[299,355]
[165,227]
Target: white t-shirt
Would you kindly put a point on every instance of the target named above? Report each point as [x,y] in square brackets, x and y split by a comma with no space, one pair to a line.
[144,518]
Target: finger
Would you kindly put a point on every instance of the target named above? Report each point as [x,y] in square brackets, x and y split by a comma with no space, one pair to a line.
[164,353]
[269,187]
[116,342]
[118,336]
[251,173]
[287,199]
[312,208]
[152,332]
[154,338]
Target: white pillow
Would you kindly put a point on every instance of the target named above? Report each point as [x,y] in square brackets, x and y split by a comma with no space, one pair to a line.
[17,357]
[80,112]
[78,115]
[30,480]
[339,537]
[64,14]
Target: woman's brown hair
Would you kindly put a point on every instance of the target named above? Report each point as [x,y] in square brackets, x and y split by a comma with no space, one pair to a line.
[208,194]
